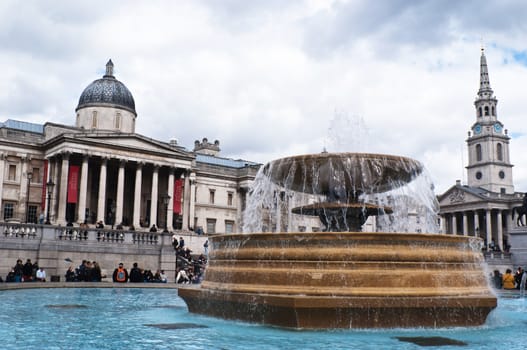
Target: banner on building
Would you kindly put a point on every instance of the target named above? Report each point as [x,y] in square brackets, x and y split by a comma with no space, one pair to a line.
[73,183]
[178,191]
[44,182]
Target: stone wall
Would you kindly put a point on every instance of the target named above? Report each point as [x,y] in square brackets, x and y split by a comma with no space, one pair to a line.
[53,247]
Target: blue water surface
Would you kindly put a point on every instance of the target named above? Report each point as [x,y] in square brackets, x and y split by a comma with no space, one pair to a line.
[127,318]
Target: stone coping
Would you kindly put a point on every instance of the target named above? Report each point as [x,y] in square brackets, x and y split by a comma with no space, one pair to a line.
[33,285]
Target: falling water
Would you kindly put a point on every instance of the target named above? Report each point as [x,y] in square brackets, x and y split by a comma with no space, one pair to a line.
[391,183]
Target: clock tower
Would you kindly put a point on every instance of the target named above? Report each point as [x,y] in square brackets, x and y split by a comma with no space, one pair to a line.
[489,164]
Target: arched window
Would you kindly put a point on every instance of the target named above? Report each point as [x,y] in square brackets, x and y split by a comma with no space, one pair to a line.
[499,151]
[486,110]
[94,119]
[493,111]
[478,153]
[480,112]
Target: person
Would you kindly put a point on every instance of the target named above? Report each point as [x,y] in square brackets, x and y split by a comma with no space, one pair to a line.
[153,228]
[10,276]
[497,279]
[70,275]
[163,277]
[518,276]
[96,272]
[41,275]
[135,274]
[18,270]
[508,280]
[41,218]
[182,277]
[174,241]
[120,274]
[27,271]
[99,224]
[181,243]
[524,202]
[206,247]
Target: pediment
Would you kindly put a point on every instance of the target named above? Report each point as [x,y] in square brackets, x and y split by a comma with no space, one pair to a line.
[133,142]
[457,195]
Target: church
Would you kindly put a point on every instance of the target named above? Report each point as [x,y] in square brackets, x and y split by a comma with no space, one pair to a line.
[101,171]
[484,206]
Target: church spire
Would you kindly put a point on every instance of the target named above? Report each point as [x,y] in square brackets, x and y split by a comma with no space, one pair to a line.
[485,91]
[109,69]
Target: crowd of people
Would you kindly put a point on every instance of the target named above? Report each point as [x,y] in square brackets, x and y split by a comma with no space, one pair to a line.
[26,272]
[510,280]
[138,275]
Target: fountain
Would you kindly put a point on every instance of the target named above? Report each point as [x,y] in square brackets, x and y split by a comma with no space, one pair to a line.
[342,277]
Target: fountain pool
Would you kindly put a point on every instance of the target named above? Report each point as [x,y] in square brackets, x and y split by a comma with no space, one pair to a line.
[123,318]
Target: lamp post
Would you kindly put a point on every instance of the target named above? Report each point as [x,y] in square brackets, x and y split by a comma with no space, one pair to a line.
[49,187]
[166,200]
[29,177]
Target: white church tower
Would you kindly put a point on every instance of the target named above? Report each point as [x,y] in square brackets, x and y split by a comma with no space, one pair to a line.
[489,164]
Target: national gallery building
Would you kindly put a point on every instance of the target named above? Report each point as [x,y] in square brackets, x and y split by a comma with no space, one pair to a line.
[101,170]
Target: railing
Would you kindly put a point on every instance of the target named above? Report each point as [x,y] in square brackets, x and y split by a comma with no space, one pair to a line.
[79,234]
[19,231]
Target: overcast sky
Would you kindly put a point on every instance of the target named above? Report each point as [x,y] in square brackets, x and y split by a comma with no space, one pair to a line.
[274,78]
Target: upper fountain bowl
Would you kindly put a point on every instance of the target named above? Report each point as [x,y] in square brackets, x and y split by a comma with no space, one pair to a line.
[343,176]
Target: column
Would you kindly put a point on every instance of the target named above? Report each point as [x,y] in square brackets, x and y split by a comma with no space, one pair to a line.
[153,198]
[489,228]
[500,231]
[23,193]
[454,224]
[137,194]
[48,177]
[476,224]
[63,194]
[83,191]
[120,194]
[192,208]
[239,207]
[102,191]
[186,204]
[2,172]
[170,209]
[55,198]
[465,224]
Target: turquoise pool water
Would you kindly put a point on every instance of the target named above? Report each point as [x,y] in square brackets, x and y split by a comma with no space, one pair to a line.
[158,319]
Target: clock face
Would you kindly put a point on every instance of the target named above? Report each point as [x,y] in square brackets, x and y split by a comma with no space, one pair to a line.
[477,129]
[497,127]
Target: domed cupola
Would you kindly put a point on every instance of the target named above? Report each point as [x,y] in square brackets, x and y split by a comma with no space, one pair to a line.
[107,104]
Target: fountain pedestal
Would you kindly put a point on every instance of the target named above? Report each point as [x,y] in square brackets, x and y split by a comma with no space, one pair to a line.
[345,280]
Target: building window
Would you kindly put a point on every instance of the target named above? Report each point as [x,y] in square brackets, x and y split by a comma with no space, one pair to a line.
[36,175]
[229,226]
[499,151]
[211,226]
[479,175]
[480,112]
[9,210]
[315,229]
[479,155]
[94,119]
[78,119]
[118,120]
[486,110]
[32,214]
[229,198]
[493,111]
[12,172]
[501,174]
[301,229]
[211,196]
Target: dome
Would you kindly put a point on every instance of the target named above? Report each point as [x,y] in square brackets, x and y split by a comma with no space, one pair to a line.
[107,91]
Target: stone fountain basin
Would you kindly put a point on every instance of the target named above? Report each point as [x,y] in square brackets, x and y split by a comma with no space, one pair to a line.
[345,280]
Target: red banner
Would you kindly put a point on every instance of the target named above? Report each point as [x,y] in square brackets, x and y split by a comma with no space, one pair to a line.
[178,191]
[73,183]
[44,181]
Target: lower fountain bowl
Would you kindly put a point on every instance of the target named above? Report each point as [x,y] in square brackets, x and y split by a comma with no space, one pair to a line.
[345,280]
